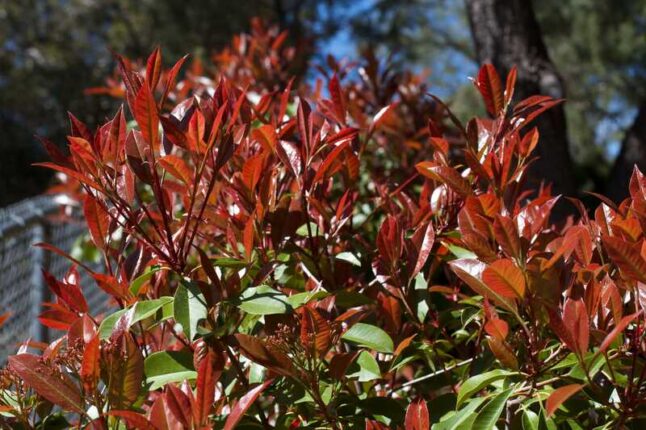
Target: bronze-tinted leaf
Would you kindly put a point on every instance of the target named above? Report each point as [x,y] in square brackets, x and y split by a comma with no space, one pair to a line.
[98,221]
[124,371]
[241,407]
[627,257]
[559,396]
[40,376]
[488,83]
[417,417]
[470,271]
[504,277]
[256,350]
[575,318]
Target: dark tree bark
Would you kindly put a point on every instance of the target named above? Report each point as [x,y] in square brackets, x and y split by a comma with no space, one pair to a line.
[633,152]
[506,33]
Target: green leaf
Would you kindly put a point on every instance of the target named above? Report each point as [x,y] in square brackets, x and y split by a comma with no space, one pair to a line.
[299,299]
[149,308]
[458,418]
[530,420]
[105,329]
[166,367]
[478,382]
[368,368]
[304,232]
[136,285]
[459,252]
[189,308]
[264,300]
[488,416]
[350,299]
[369,336]
[349,258]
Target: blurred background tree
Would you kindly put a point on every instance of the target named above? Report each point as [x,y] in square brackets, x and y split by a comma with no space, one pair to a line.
[51,50]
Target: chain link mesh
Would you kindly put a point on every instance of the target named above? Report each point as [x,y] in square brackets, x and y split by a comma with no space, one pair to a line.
[22,289]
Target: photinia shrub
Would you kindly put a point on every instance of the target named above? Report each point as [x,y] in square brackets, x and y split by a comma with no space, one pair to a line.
[346,255]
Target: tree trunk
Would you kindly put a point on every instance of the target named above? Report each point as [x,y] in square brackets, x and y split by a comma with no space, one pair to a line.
[633,152]
[506,33]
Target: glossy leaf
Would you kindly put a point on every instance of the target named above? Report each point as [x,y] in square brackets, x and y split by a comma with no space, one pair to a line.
[166,367]
[39,376]
[189,308]
[417,417]
[478,382]
[369,336]
[244,403]
[560,395]
[505,278]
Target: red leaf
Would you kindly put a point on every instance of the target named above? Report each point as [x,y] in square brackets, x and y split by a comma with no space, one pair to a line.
[470,271]
[177,167]
[243,405]
[509,85]
[68,293]
[248,237]
[389,240]
[312,323]
[428,239]
[446,175]
[497,328]
[205,388]
[41,377]
[504,277]
[170,80]
[627,257]
[326,165]
[133,419]
[417,417]
[503,352]
[506,234]
[340,362]
[97,219]
[153,69]
[258,351]
[575,319]
[488,83]
[619,328]
[146,115]
[559,396]
[90,369]
[161,415]
[338,98]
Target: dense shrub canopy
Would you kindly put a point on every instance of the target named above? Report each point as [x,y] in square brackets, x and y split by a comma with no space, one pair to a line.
[340,255]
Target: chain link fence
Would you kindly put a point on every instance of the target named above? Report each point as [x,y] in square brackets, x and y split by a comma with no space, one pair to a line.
[22,288]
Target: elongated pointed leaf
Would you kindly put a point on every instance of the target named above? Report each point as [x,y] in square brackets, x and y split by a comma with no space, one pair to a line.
[369,336]
[41,377]
[577,322]
[241,407]
[417,417]
[560,395]
[165,367]
[490,413]
[488,83]
[505,278]
[619,328]
[147,117]
[627,257]
[478,382]
[189,308]
[470,271]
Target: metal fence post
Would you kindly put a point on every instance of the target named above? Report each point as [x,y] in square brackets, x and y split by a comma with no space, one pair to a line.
[37,330]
